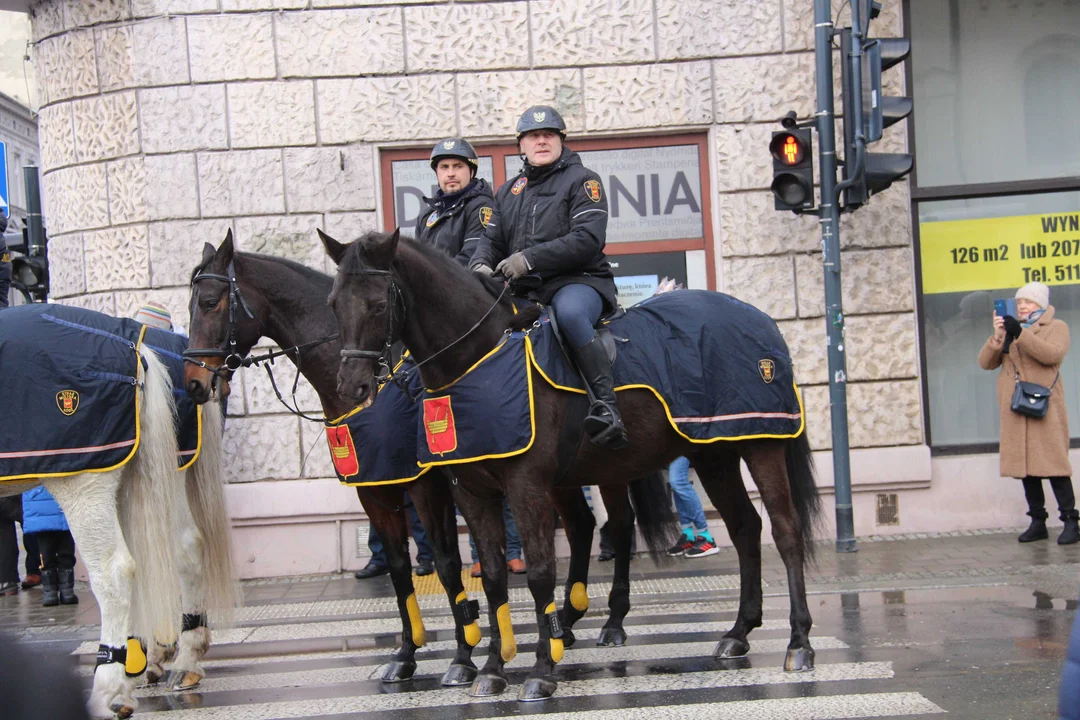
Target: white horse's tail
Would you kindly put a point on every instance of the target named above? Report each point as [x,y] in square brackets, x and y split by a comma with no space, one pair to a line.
[149,494]
[206,499]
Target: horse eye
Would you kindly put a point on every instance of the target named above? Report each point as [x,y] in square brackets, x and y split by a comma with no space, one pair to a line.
[379,308]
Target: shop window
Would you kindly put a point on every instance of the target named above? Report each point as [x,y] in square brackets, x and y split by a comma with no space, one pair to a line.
[658,202]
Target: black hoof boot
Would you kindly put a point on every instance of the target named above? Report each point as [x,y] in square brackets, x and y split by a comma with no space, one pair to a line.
[799,660]
[568,638]
[731,647]
[537,689]
[399,671]
[458,674]
[488,685]
[611,637]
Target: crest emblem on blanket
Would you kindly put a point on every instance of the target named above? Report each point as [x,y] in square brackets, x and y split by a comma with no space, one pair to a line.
[439,426]
[519,185]
[767,369]
[592,189]
[342,450]
[67,401]
[485,215]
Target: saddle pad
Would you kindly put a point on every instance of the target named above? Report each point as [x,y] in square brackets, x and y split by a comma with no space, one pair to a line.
[720,366]
[485,414]
[70,377]
[377,445]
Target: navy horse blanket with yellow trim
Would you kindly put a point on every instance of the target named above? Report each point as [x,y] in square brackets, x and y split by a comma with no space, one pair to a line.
[69,381]
[720,366]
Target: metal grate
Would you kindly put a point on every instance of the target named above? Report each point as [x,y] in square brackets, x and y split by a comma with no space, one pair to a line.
[888,509]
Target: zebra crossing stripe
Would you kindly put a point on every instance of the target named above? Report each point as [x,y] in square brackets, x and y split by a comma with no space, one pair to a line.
[615,686]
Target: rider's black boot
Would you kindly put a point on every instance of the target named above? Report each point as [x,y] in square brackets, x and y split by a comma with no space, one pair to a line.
[604,425]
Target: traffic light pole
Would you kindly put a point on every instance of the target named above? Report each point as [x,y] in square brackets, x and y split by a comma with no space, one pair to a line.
[35,228]
[830,240]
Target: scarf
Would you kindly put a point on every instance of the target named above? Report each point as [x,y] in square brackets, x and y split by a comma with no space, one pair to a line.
[1032,318]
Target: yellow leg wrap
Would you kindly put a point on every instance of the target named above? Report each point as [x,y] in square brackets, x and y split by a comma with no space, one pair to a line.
[472,630]
[419,635]
[136,657]
[507,644]
[579,597]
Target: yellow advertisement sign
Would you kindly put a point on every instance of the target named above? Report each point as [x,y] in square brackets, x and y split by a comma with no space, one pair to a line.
[1004,252]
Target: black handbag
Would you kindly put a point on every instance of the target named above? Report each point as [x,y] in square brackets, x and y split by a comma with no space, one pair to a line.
[1031,399]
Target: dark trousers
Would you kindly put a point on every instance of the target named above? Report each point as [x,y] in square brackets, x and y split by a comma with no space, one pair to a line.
[10,513]
[1036,499]
[33,553]
[577,308]
[424,553]
[57,549]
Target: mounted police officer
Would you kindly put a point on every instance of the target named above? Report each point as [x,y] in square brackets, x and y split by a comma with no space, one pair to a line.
[461,209]
[5,264]
[547,238]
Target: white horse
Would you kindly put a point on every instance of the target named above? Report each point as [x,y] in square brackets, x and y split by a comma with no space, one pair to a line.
[153,547]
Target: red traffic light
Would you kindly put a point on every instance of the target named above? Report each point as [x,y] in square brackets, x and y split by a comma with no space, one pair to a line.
[789,149]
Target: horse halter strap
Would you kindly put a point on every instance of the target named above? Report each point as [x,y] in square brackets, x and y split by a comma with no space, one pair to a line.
[233,360]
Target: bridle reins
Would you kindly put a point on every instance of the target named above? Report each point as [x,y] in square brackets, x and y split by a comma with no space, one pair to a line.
[233,361]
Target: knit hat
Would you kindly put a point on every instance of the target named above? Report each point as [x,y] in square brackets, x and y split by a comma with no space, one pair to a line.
[154,315]
[1036,292]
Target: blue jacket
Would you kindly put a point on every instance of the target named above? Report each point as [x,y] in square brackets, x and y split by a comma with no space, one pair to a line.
[1069,697]
[41,513]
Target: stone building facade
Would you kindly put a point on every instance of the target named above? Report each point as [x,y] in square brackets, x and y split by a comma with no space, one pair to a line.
[164,123]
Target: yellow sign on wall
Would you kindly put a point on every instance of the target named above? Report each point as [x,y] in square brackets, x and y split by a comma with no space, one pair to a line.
[1004,252]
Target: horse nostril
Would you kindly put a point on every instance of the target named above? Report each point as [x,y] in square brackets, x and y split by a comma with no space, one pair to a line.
[194,388]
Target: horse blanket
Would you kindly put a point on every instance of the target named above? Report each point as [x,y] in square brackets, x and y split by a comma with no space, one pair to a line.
[70,378]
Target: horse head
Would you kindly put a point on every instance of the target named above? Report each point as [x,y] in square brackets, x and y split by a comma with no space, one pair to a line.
[365,300]
[224,324]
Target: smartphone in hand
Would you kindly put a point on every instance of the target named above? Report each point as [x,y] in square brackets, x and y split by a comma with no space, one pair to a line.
[1005,306]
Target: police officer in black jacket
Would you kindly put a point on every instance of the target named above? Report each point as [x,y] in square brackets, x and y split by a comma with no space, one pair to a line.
[5,264]
[547,237]
[461,209]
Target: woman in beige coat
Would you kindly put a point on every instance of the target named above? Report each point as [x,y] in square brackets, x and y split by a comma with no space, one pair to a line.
[1031,348]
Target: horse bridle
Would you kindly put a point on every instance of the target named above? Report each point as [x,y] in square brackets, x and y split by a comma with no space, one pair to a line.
[233,361]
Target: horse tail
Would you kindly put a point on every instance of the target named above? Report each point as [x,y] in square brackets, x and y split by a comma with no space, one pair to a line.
[655,516]
[206,500]
[804,491]
[149,501]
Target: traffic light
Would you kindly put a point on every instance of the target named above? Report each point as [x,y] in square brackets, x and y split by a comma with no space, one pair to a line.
[876,112]
[793,169]
[29,272]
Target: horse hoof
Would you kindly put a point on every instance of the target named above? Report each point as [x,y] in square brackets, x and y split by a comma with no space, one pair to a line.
[154,673]
[488,685]
[399,671]
[799,660]
[730,647]
[568,638]
[123,712]
[609,637]
[537,689]
[458,674]
[183,680]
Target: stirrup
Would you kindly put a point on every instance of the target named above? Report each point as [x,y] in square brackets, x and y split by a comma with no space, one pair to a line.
[604,427]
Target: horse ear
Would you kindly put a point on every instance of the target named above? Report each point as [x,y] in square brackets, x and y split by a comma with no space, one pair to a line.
[225,250]
[208,252]
[333,248]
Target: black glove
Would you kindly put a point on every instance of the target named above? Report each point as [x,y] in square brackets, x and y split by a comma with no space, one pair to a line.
[514,266]
[1012,327]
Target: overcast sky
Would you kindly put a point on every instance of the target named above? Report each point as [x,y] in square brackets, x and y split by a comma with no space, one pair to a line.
[14,32]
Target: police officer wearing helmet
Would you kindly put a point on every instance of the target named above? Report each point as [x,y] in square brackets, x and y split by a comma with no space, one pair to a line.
[547,238]
[5,264]
[457,215]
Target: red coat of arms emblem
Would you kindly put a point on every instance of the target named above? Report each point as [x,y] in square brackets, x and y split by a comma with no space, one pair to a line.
[592,189]
[439,425]
[342,450]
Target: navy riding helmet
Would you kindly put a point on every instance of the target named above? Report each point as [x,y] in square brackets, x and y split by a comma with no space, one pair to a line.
[455,148]
[541,117]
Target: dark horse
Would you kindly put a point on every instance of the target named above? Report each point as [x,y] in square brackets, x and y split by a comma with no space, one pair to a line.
[388,287]
[287,303]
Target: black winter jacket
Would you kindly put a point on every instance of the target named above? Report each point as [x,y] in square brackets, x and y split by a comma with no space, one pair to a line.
[455,225]
[5,273]
[557,215]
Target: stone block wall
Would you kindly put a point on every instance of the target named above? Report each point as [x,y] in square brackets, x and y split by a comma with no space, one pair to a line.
[164,123]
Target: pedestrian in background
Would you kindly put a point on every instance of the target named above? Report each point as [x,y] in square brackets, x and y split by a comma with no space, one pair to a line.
[696,540]
[514,563]
[5,264]
[44,519]
[1030,348]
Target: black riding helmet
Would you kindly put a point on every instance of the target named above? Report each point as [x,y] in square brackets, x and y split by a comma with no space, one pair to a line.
[541,117]
[455,148]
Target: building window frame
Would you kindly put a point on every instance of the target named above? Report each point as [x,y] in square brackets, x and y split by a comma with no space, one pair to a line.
[499,151]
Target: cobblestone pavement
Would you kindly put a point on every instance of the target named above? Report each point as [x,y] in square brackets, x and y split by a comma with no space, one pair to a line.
[971,623]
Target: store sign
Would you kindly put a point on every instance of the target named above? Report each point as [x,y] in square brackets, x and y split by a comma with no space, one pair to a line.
[653,193]
[413,180]
[1002,252]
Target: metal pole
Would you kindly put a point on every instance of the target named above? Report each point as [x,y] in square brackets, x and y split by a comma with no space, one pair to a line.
[830,241]
[35,228]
